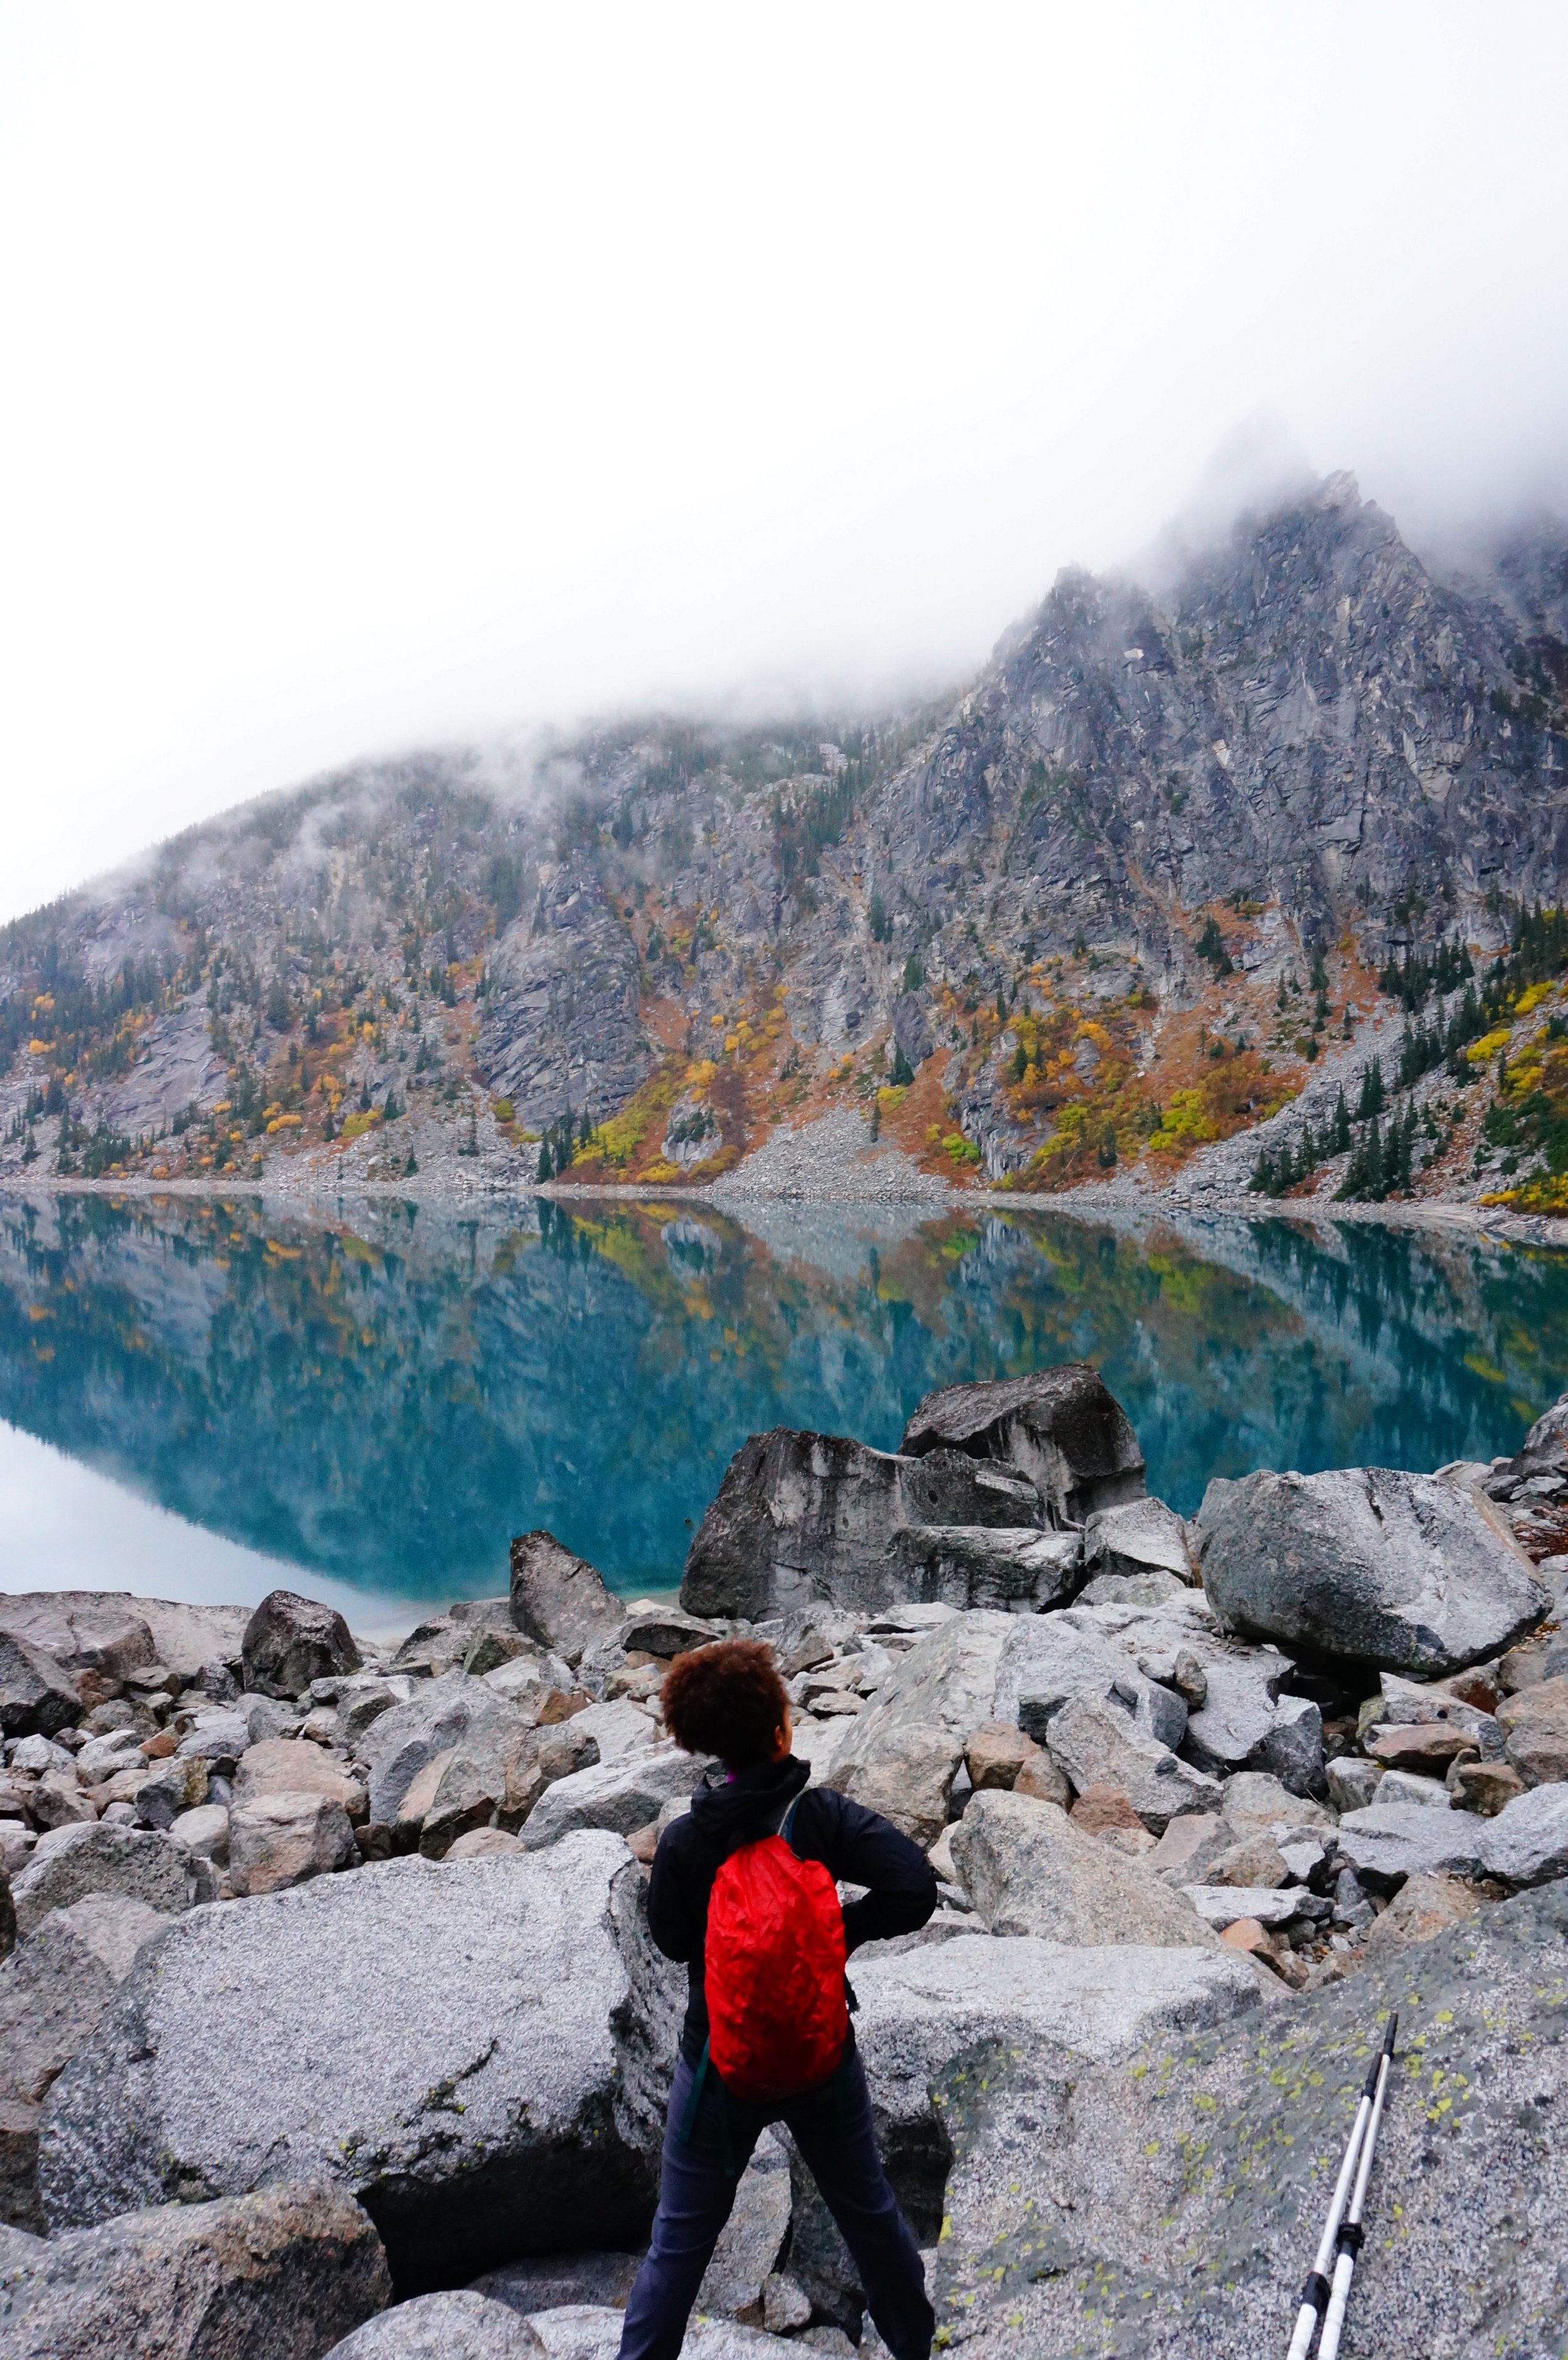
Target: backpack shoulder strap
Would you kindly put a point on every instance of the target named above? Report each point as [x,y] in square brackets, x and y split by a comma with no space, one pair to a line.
[787,1826]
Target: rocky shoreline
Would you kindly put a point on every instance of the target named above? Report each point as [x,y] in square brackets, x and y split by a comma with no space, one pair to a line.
[330,2022]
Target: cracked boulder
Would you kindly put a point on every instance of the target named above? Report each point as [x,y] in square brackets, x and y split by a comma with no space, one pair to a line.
[1061,1427]
[559,1599]
[465,2048]
[1409,1573]
[805,1516]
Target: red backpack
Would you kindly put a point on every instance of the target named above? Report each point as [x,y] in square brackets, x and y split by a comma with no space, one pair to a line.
[773,1970]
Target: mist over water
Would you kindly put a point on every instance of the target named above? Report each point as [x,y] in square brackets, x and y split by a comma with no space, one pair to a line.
[379,1399]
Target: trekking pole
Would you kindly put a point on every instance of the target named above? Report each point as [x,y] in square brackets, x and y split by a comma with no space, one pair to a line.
[1349,2240]
[1315,2291]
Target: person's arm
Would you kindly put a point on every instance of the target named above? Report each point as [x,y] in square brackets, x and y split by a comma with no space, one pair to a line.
[860,1847]
[675,1925]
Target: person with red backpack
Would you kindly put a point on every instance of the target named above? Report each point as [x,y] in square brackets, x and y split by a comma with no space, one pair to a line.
[743,1892]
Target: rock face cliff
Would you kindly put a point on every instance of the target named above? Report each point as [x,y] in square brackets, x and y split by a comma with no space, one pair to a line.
[1108,906]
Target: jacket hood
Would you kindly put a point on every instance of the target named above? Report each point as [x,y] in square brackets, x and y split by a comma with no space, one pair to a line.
[732,1810]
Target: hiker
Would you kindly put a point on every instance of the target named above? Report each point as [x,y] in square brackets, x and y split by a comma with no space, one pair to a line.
[767,2036]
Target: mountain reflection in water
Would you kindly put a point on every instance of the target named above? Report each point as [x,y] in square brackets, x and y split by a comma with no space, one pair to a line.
[385,1395]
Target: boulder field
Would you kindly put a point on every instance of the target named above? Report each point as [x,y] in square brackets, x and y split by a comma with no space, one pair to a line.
[330,2022]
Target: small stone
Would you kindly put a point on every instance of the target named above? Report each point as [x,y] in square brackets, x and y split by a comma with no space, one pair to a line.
[204,1830]
[1404,1786]
[1101,1807]
[1352,1782]
[174,1788]
[58,1800]
[1246,1934]
[642,1843]
[159,1748]
[1044,1781]
[785,2305]
[996,1753]
[283,1840]
[1483,1786]
[1534,1722]
[489,1650]
[1258,1860]
[290,1765]
[485,1844]
[1423,1908]
[1428,1747]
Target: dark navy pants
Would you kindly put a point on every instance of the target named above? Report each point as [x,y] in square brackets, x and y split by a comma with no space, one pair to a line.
[833,2129]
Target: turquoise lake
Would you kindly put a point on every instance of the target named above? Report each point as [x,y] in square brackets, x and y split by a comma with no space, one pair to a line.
[201,1398]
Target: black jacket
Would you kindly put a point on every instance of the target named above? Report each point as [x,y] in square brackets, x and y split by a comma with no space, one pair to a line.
[855,1845]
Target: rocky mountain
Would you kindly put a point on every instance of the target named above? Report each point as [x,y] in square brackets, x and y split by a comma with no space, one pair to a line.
[1103,910]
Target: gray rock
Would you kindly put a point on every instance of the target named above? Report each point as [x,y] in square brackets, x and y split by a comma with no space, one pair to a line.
[172,1786]
[54,1989]
[205,1831]
[1028,1870]
[1238,1710]
[71,1863]
[440,1715]
[799,1516]
[250,2278]
[1255,1803]
[901,1756]
[1220,1906]
[218,1739]
[364,1700]
[101,1756]
[1368,1564]
[580,2332]
[662,1632]
[549,2281]
[931,2016]
[1060,1427]
[618,1797]
[1157,2207]
[35,1695]
[1293,1749]
[1526,1842]
[1139,1538]
[1387,1842]
[474,2050]
[749,2245]
[617,1729]
[283,1840]
[464,2325]
[291,1641]
[1105,1741]
[20,2211]
[1406,1786]
[562,1022]
[1152,1587]
[1352,1782]
[560,1599]
[1017,1567]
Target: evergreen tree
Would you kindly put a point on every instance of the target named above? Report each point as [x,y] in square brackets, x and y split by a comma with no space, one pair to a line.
[904,1073]
[546,1168]
[1374,1096]
[1339,1136]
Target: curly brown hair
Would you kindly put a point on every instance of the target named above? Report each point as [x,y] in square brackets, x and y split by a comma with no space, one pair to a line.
[726,1699]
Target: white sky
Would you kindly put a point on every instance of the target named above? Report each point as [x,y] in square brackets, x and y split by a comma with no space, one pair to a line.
[375,374]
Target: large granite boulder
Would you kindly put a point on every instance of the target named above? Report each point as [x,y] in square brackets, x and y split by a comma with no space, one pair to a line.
[1029,1870]
[1060,1427]
[929,2015]
[291,1641]
[1014,1566]
[560,1599]
[804,1516]
[280,2275]
[465,2047]
[1166,2206]
[139,1866]
[1414,1573]
[54,1989]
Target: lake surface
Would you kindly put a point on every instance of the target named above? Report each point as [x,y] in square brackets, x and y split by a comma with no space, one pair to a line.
[203,1399]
